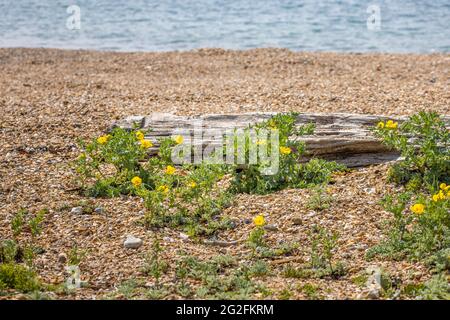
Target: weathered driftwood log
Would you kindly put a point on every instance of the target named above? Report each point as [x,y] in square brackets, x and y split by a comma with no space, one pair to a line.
[343,137]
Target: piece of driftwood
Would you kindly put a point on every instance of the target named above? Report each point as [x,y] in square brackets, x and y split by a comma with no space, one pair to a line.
[343,137]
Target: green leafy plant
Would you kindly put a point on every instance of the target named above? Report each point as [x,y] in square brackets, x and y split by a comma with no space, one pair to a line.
[108,163]
[18,277]
[17,256]
[256,236]
[155,266]
[322,249]
[420,231]
[424,142]
[35,222]
[252,178]
[76,256]
[10,251]
[437,288]
[311,291]
[321,263]
[320,199]
[18,222]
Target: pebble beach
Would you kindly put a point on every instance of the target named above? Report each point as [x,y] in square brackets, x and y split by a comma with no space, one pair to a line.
[51,98]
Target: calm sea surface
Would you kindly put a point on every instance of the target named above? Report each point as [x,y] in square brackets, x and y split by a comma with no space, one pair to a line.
[311,25]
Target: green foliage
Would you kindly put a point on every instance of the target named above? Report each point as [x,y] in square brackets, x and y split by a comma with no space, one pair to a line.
[316,171]
[251,178]
[191,199]
[311,291]
[420,227]
[321,263]
[320,199]
[106,166]
[14,275]
[285,294]
[283,249]
[192,196]
[10,251]
[18,277]
[75,256]
[256,237]
[29,221]
[360,280]
[221,277]
[290,271]
[424,142]
[322,248]
[155,266]
[419,236]
[259,268]
[35,222]
[437,288]
[18,222]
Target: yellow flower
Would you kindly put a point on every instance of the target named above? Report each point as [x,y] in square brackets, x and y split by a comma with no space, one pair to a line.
[380,125]
[163,188]
[136,181]
[391,124]
[103,139]
[439,196]
[140,135]
[146,144]
[418,208]
[178,139]
[285,150]
[170,170]
[259,221]
[443,186]
[261,142]
[192,184]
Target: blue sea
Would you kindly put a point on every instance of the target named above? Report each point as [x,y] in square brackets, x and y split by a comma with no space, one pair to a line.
[301,25]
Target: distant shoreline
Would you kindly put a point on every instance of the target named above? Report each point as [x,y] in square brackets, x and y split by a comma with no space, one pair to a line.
[231,50]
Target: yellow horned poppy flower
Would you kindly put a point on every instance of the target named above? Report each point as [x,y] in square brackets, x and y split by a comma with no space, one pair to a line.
[380,125]
[170,170]
[136,181]
[178,139]
[259,220]
[391,124]
[146,144]
[103,139]
[163,189]
[443,186]
[140,135]
[192,184]
[285,150]
[418,208]
[438,196]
